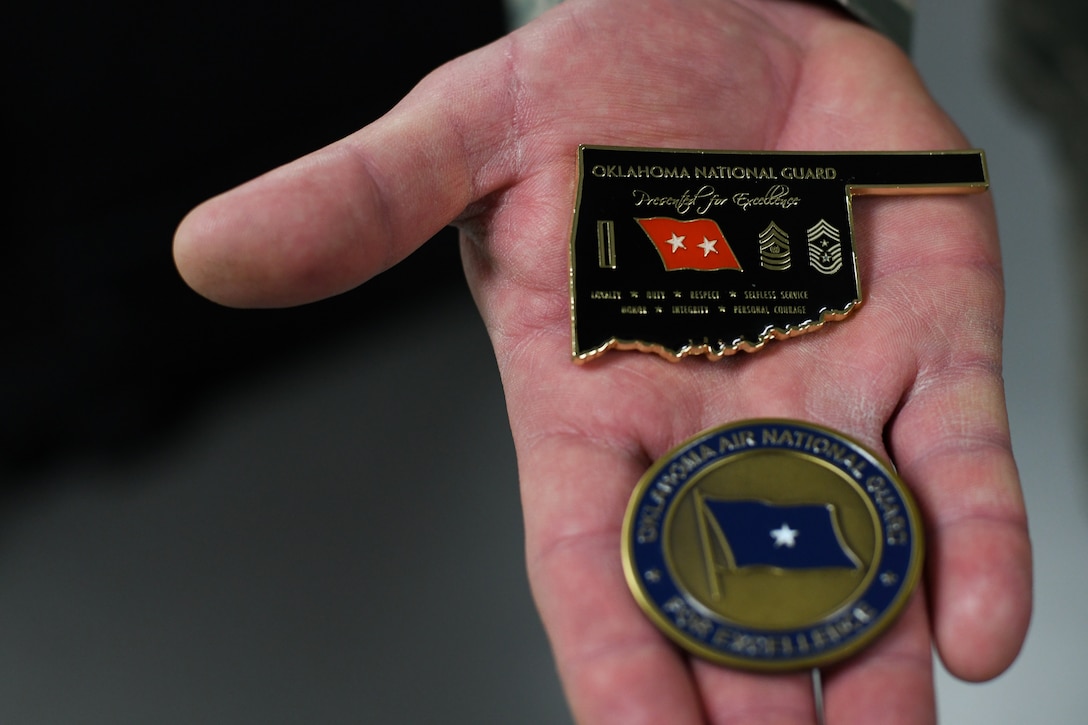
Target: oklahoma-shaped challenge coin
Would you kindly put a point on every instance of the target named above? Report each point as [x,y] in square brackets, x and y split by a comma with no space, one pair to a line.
[713,252]
[772,545]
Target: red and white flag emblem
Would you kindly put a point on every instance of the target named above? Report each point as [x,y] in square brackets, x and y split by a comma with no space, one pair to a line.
[693,244]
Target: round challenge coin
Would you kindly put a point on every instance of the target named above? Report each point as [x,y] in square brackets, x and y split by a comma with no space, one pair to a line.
[772,545]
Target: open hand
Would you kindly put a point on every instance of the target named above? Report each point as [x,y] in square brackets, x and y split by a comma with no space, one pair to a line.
[488,142]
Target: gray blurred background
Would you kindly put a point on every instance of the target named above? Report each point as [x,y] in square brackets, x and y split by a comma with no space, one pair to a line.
[312,516]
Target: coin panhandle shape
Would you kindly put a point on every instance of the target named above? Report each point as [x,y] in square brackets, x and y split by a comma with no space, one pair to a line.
[772,545]
[712,252]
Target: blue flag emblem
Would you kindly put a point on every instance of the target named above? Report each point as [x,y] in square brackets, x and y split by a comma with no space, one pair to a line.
[755,533]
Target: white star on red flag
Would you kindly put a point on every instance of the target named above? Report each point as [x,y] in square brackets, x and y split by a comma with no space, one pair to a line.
[677,242]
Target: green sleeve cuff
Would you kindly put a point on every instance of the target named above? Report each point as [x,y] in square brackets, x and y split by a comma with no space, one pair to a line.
[894,18]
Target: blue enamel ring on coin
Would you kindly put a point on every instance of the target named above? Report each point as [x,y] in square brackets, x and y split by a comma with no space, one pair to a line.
[772,545]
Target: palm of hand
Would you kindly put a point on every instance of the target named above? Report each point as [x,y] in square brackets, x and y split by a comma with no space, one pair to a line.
[915,372]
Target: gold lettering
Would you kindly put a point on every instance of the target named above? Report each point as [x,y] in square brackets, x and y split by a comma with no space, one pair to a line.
[800,173]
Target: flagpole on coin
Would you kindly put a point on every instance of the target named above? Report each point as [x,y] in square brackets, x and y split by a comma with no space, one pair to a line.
[708,552]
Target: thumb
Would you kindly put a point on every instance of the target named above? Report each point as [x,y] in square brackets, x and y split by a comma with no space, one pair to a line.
[329,221]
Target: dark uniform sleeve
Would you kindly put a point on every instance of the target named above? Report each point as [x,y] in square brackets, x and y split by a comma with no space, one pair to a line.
[894,18]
